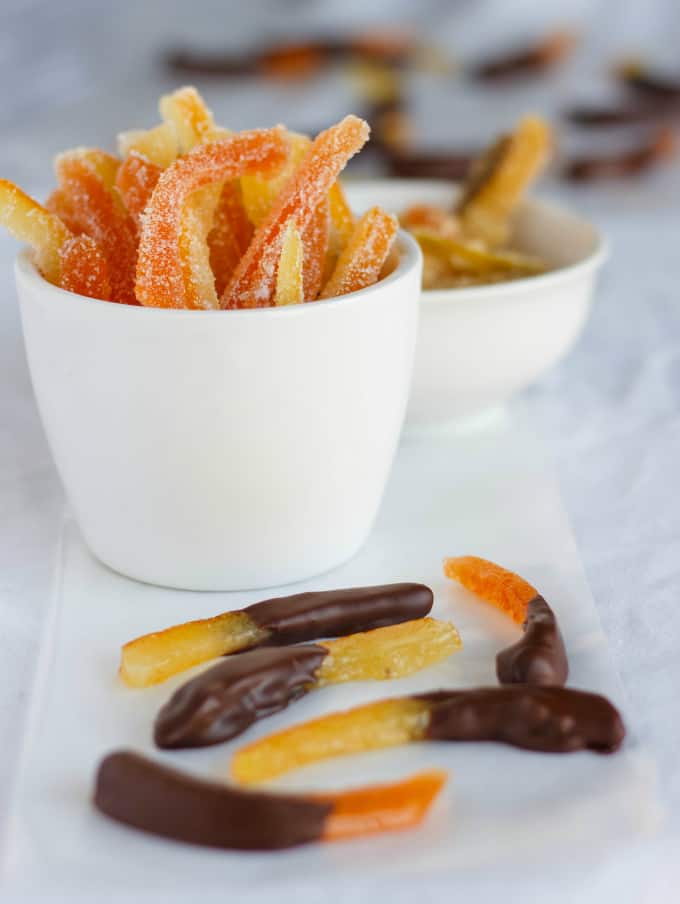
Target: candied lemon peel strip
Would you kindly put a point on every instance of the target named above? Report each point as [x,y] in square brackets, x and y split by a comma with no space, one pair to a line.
[504,589]
[155,657]
[289,288]
[32,223]
[387,723]
[499,179]
[394,651]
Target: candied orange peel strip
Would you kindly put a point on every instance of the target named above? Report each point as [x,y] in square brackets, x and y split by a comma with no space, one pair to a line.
[230,234]
[504,589]
[158,144]
[136,180]
[499,179]
[161,274]
[394,651]
[30,222]
[387,723]
[381,808]
[87,178]
[155,657]
[364,256]
[289,274]
[84,269]
[254,281]
[259,192]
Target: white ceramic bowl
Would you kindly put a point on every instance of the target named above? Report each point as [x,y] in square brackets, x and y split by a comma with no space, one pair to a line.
[480,345]
[230,449]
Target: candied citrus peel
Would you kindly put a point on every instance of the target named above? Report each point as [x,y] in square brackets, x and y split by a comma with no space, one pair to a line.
[162,279]
[30,222]
[254,282]
[230,234]
[394,651]
[260,192]
[362,260]
[186,112]
[87,177]
[387,723]
[473,261]
[158,144]
[155,657]
[289,274]
[381,808]
[499,179]
[504,589]
[136,180]
[84,269]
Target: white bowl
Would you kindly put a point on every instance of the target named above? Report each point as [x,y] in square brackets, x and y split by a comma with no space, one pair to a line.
[229,449]
[478,346]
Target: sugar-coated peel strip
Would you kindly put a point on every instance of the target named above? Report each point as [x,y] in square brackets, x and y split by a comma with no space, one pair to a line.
[30,222]
[101,216]
[545,719]
[230,234]
[84,269]
[61,206]
[342,222]
[138,792]
[289,288]
[539,657]
[160,269]
[301,617]
[158,145]
[362,259]
[253,283]
[499,179]
[136,180]
[259,192]
[315,237]
[186,111]
[225,700]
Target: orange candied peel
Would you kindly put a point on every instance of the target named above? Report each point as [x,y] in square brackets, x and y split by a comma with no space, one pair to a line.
[87,179]
[394,651]
[155,657]
[364,256]
[503,588]
[260,191]
[253,283]
[161,276]
[84,269]
[136,180]
[289,288]
[387,723]
[230,234]
[381,808]
[30,222]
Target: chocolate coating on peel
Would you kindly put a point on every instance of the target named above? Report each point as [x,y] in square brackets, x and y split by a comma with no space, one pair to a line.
[546,719]
[223,701]
[148,796]
[539,657]
[332,613]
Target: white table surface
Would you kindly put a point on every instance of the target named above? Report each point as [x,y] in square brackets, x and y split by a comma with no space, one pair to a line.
[610,414]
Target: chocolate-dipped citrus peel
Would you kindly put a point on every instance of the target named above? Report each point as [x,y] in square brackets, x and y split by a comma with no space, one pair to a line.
[143,794]
[544,719]
[302,617]
[539,657]
[223,701]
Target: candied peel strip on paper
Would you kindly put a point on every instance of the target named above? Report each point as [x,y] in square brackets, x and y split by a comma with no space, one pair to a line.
[504,589]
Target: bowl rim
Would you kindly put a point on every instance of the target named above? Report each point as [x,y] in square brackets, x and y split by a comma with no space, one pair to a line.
[411,258]
[491,291]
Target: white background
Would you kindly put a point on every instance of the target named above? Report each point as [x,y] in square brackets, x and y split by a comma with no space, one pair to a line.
[76,72]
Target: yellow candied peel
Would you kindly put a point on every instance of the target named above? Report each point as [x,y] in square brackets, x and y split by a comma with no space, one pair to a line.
[387,723]
[390,652]
[30,222]
[158,144]
[289,285]
[155,657]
